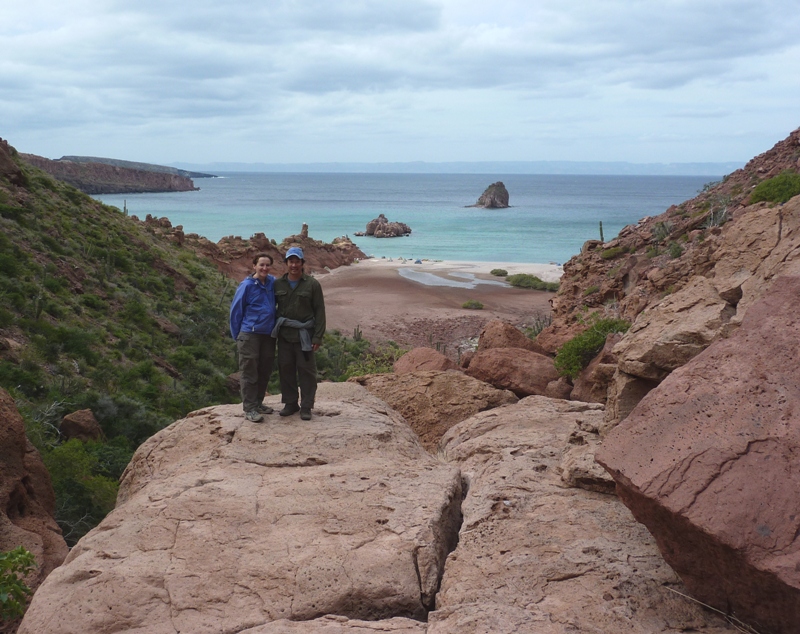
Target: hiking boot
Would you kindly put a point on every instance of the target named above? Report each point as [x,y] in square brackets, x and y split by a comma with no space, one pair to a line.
[264,409]
[305,413]
[289,409]
[254,416]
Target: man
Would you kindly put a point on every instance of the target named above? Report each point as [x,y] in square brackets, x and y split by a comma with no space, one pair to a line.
[299,331]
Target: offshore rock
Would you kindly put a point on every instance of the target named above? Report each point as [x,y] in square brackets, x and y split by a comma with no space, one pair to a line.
[708,462]
[536,556]
[380,227]
[494,197]
[223,525]
[433,401]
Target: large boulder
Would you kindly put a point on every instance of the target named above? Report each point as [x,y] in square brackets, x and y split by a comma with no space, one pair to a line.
[433,401]
[523,372]
[708,462]
[26,496]
[536,556]
[223,525]
[501,334]
[422,359]
[81,425]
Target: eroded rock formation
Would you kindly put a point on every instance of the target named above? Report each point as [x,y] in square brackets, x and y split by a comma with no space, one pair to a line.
[422,359]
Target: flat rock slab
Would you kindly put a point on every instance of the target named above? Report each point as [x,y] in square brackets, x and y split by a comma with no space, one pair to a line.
[341,625]
[709,462]
[223,525]
[536,556]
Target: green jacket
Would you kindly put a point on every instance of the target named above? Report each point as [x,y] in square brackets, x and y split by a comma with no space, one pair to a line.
[302,303]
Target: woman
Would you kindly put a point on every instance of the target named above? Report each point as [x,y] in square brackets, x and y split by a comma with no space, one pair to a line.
[252,321]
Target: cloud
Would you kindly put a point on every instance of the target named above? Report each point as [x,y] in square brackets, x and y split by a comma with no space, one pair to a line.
[447,70]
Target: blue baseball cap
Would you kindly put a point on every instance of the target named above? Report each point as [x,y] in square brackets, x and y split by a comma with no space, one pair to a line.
[294,251]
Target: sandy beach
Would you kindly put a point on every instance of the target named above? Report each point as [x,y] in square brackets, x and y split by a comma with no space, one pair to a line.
[420,304]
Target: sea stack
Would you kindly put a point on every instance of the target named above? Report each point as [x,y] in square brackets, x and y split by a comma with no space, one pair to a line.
[495,197]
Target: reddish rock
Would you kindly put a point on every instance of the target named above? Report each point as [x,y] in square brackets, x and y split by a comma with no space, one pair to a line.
[523,372]
[708,462]
[494,197]
[432,402]
[501,334]
[423,359]
[466,358]
[380,227]
[26,496]
[81,425]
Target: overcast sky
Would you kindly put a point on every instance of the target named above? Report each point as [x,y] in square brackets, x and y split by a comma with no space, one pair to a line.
[413,80]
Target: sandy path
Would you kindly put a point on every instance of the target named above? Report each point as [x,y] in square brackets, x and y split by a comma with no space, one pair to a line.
[389,301]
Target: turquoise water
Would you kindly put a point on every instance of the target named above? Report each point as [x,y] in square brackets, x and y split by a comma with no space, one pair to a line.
[550,218]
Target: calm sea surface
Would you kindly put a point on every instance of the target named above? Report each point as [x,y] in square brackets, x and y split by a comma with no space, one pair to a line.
[550,217]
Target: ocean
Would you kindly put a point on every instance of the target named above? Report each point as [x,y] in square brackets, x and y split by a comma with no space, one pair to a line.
[550,216]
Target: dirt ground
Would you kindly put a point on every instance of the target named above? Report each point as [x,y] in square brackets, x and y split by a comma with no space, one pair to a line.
[385,305]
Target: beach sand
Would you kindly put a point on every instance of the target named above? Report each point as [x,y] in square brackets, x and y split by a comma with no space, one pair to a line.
[420,304]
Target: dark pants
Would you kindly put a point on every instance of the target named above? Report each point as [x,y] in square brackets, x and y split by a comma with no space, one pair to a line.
[297,368]
[256,358]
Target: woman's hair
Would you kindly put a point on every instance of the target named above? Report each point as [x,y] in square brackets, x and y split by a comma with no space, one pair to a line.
[258,256]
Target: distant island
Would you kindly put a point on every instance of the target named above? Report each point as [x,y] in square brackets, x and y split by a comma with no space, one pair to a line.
[94,175]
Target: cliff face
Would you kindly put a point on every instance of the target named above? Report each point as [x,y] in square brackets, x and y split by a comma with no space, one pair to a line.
[101,178]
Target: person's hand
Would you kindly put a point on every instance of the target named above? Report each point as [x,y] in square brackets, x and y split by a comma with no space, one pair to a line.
[314,347]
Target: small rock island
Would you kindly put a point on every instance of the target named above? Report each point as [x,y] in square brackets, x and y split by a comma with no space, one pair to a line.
[380,227]
[495,197]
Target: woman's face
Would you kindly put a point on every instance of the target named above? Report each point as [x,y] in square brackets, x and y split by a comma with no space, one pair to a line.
[261,269]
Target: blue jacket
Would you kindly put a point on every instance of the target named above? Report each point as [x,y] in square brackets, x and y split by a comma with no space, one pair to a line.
[253,307]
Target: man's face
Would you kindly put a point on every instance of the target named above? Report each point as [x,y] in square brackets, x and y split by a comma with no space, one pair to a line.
[295,265]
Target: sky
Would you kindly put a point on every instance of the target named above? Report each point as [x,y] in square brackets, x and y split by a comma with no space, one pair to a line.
[295,81]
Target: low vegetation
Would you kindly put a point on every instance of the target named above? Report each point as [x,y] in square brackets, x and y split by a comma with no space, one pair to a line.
[499,272]
[779,189]
[14,593]
[576,353]
[526,280]
[473,304]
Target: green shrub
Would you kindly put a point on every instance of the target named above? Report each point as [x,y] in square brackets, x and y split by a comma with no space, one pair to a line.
[576,353]
[777,190]
[661,231]
[92,301]
[14,593]
[591,290]
[610,254]
[472,304]
[526,280]
[675,250]
[499,272]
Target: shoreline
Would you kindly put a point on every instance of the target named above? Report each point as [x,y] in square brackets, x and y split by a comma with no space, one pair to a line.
[423,304]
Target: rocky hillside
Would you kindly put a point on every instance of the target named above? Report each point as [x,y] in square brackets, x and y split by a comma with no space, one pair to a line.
[103,178]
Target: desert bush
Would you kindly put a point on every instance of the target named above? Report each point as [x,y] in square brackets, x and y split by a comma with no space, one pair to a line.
[778,189]
[540,322]
[576,353]
[499,272]
[526,280]
[675,250]
[473,304]
[610,254]
[591,290]
[661,231]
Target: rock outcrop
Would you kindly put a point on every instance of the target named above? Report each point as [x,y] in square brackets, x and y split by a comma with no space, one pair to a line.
[224,525]
[494,197]
[422,359]
[708,462]
[501,334]
[26,497]
[233,256]
[536,556]
[683,279]
[433,401]
[380,227]
[81,425]
[102,178]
